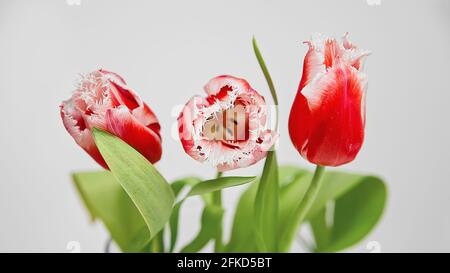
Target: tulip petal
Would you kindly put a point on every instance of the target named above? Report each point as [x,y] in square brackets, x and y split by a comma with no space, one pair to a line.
[76,126]
[353,55]
[355,58]
[337,116]
[325,53]
[122,95]
[225,88]
[346,42]
[112,76]
[312,64]
[190,124]
[299,120]
[124,125]
[147,117]
[266,140]
[332,53]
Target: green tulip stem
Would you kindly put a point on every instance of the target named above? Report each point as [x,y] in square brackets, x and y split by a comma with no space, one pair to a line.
[265,71]
[217,201]
[268,188]
[155,248]
[305,205]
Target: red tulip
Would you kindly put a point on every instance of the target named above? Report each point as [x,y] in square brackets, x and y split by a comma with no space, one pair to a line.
[103,100]
[228,126]
[327,118]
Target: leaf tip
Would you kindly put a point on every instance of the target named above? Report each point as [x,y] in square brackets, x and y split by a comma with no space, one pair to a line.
[255,45]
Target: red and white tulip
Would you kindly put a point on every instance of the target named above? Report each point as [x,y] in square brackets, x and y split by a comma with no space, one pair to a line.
[327,118]
[227,127]
[103,100]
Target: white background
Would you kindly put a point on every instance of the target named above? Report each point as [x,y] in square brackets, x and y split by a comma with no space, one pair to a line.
[167,50]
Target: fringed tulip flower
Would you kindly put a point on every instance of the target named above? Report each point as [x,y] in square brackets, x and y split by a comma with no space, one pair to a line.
[103,100]
[327,118]
[228,126]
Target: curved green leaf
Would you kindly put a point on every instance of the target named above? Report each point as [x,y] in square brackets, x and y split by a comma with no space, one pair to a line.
[210,219]
[291,193]
[106,200]
[287,174]
[266,206]
[218,184]
[243,238]
[359,201]
[356,212]
[177,186]
[148,190]
[211,216]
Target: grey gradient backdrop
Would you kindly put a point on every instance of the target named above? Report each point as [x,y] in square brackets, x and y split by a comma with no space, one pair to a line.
[167,50]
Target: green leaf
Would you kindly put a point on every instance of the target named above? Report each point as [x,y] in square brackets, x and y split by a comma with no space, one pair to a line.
[210,213]
[209,223]
[266,200]
[269,80]
[266,206]
[320,228]
[243,232]
[173,223]
[291,193]
[356,212]
[359,201]
[211,189]
[177,186]
[287,174]
[106,200]
[148,190]
[157,243]
[358,205]
[337,184]
[219,183]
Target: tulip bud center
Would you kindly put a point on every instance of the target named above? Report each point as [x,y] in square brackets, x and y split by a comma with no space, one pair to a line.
[228,125]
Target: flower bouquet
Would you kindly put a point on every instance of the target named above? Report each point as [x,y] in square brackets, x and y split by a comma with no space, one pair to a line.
[228,127]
